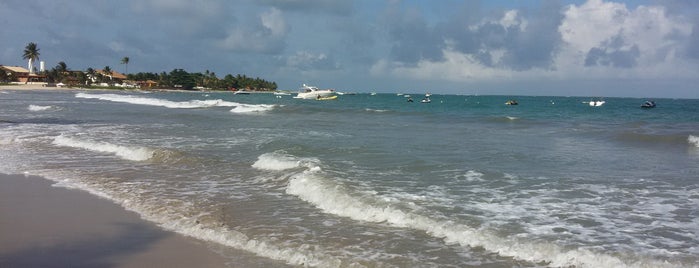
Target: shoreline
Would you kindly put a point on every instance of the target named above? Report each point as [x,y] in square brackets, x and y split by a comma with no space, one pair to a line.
[40,87]
[42,226]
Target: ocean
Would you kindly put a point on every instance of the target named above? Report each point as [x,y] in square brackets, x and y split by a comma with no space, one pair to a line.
[376,181]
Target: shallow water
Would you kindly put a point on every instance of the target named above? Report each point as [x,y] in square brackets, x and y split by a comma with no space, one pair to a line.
[375,181]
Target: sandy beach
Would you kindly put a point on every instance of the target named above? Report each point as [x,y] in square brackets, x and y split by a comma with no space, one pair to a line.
[45,226]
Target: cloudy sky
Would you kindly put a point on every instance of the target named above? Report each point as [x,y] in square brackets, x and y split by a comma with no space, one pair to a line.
[644,48]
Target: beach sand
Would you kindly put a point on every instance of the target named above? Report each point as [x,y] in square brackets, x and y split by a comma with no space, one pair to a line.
[45,226]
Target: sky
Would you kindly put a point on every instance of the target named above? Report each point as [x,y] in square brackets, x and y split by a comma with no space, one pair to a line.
[644,48]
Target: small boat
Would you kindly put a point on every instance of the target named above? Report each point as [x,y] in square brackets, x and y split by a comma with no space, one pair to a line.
[426,100]
[648,104]
[596,103]
[241,92]
[311,92]
[281,93]
[511,102]
[327,98]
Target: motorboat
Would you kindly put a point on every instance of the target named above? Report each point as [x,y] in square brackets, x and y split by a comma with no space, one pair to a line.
[312,92]
[648,104]
[511,102]
[426,100]
[596,103]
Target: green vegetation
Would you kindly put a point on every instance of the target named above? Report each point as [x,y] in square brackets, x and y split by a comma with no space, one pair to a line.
[31,53]
[179,78]
[125,61]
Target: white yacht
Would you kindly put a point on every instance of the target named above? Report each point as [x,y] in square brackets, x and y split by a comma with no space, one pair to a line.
[596,103]
[311,92]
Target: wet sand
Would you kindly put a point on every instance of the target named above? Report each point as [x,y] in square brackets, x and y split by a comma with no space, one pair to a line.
[45,226]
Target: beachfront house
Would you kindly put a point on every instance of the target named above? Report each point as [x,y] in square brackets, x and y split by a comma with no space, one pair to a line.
[18,74]
[107,78]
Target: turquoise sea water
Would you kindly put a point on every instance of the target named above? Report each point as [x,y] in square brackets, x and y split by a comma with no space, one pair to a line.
[375,181]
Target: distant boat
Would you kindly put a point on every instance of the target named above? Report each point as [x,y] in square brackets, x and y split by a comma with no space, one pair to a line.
[596,103]
[241,92]
[648,104]
[511,102]
[311,92]
[426,100]
[280,93]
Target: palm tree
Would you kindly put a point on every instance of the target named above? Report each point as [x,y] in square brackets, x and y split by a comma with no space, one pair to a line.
[60,71]
[91,77]
[108,72]
[125,61]
[31,53]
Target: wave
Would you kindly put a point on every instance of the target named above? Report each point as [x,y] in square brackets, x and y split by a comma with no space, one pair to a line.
[376,110]
[159,102]
[278,161]
[195,224]
[334,198]
[252,108]
[38,108]
[124,152]
[694,140]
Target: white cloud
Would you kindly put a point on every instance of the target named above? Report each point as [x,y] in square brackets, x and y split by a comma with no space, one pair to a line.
[307,61]
[274,21]
[265,36]
[640,43]
[613,28]
[457,67]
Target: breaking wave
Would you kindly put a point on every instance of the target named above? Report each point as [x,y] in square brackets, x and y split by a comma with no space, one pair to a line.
[158,102]
[278,161]
[334,198]
[124,152]
[251,108]
[38,108]
[694,140]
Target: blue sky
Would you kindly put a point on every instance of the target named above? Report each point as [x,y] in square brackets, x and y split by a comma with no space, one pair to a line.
[568,48]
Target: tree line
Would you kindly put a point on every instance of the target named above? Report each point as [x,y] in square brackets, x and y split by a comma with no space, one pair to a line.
[179,78]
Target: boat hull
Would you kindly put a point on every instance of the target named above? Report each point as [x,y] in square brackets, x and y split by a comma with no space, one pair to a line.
[315,94]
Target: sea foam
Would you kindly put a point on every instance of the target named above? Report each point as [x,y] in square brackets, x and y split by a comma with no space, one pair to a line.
[124,152]
[38,108]
[331,197]
[694,140]
[251,108]
[275,161]
[158,102]
[306,255]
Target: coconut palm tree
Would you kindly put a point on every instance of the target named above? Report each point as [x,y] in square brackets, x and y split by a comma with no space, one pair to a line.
[125,61]
[108,72]
[31,53]
[91,77]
